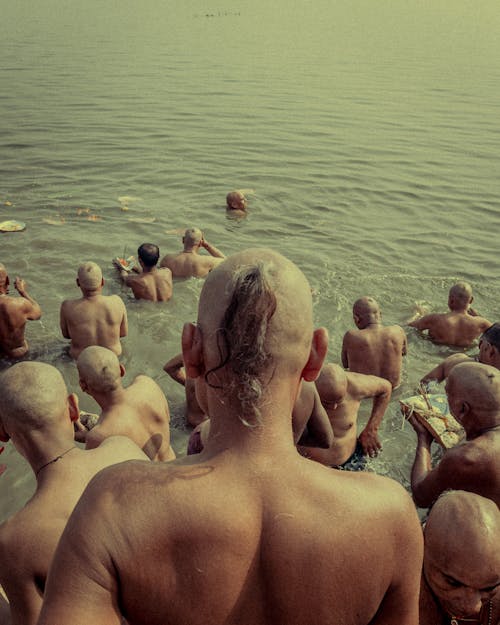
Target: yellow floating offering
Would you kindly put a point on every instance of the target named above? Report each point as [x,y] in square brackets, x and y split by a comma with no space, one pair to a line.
[12,226]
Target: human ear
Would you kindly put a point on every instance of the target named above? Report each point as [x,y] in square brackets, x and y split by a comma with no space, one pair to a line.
[317,355]
[192,350]
[122,370]
[74,411]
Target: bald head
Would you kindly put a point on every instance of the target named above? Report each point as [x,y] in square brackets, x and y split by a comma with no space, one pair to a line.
[235,200]
[255,314]
[332,383]
[460,296]
[192,237]
[462,535]
[365,311]
[474,388]
[89,276]
[33,396]
[99,369]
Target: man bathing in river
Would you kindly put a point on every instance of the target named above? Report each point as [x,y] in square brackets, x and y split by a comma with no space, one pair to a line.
[461,574]
[473,393]
[459,327]
[189,262]
[247,522]
[374,349]
[139,411]
[37,415]
[93,319]
[341,393]
[152,283]
[14,313]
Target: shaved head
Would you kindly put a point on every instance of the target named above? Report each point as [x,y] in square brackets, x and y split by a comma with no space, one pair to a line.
[366,310]
[332,382]
[99,369]
[89,276]
[236,200]
[478,386]
[34,395]
[460,295]
[192,237]
[255,314]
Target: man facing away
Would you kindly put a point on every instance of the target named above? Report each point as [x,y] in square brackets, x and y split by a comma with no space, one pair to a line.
[152,283]
[374,349]
[189,262]
[489,354]
[341,393]
[473,393]
[94,318]
[460,326]
[461,574]
[139,411]
[248,531]
[37,415]
[14,313]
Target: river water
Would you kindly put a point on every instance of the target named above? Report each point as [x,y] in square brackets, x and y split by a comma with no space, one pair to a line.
[369,132]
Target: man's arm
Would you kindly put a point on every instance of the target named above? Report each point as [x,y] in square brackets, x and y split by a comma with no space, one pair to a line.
[175,369]
[344,354]
[82,588]
[63,322]
[124,321]
[363,386]
[423,323]
[318,431]
[18,584]
[442,371]
[211,249]
[32,309]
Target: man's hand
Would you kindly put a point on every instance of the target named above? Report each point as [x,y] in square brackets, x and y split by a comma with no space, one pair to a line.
[370,442]
[423,433]
[20,285]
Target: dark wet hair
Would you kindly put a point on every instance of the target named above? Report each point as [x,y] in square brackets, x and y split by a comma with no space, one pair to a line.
[492,335]
[242,336]
[149,253]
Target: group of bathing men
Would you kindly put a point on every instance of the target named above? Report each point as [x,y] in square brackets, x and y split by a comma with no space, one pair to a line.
[248,530]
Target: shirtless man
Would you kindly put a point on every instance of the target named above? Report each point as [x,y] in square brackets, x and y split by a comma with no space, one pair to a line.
[374,349]
[194,413]
[461,575]
[459,327]
[152,283]
[189,262]
[14,313]
[489,354]
[341,393]
[473,393]
[236,204]
[246,524]
[94,318]
[139,411]
[37,415]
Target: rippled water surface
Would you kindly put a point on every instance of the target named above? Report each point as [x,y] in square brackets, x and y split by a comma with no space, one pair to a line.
[369,132]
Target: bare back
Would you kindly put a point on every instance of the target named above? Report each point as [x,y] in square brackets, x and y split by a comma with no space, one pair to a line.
[143,416]
[458,329]
[155,285]
[96,320]
[29,538]
[190,264]
[252,546]
[14,312]
[376,350]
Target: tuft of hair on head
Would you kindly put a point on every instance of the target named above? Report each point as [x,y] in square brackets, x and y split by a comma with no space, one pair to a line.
[89,276]
[492,335]
[34,395]
[242,336]
[149,253]
[99,368]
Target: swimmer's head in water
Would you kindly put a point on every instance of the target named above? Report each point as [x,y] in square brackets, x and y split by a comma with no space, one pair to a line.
[90,276]
[149,253]
[255,317]
[192,237]
[235,200]
[462,558]
[99,370]
[365,311]
[460,296]
[33,397]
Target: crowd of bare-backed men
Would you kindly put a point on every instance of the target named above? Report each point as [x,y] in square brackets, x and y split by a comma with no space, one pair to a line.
[269,519]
